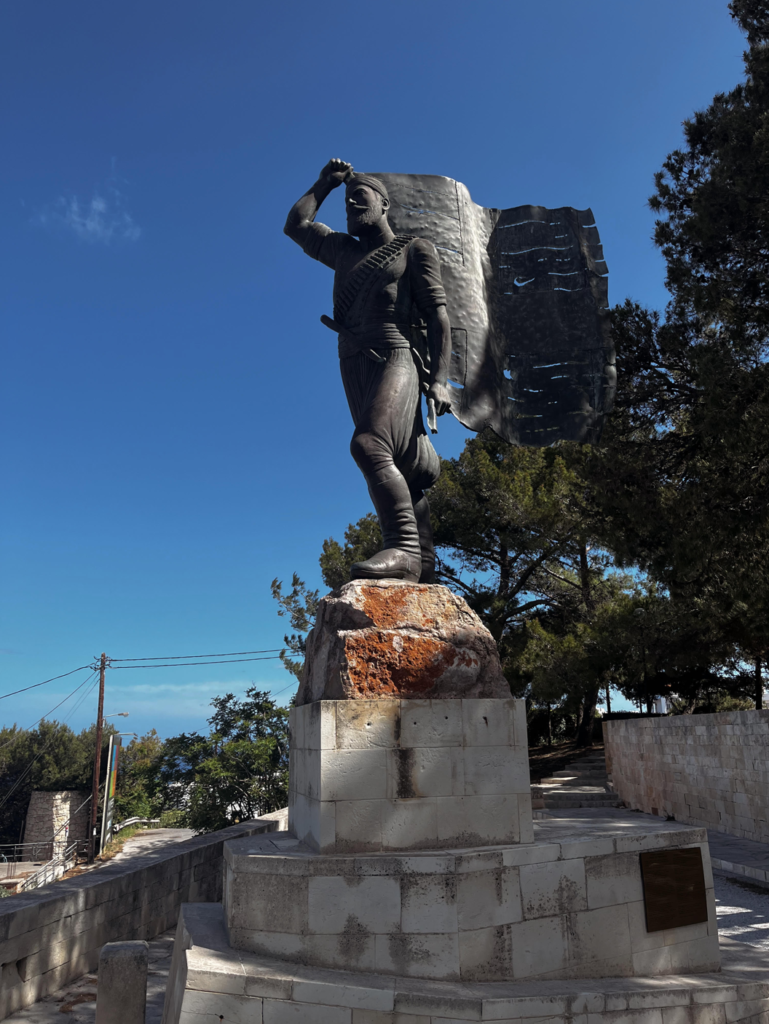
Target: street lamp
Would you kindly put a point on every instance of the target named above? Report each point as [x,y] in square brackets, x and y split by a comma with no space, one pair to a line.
[118,714]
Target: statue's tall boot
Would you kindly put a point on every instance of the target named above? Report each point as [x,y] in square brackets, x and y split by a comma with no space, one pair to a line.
[425,531]
[401,558]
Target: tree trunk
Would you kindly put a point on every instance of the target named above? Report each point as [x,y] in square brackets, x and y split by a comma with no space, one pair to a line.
[585,730]
[549,726]
[759,686]
[608,698]
[584,575]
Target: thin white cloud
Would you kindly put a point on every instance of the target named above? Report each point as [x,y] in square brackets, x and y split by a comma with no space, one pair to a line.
[101,219]
[190,700]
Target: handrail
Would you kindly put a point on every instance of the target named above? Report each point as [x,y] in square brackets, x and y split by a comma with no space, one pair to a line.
[11,852]
[41,876]
[135,821]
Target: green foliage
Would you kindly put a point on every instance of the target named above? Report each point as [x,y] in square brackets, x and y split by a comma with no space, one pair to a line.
[136,765]
[235,773]
[361,540]
[173,819]
[506,524]
[50,757]
[691,440]
[300,605]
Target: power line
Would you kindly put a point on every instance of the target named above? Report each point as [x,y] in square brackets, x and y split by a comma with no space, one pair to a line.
[62,676]
[40,753]
[15,738]
[192,664]
[179,657]
[284,688]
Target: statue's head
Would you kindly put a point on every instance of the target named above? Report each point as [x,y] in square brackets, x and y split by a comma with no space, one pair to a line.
[366,202]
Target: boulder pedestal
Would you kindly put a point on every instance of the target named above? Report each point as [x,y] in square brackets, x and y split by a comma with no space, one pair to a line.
[385,640]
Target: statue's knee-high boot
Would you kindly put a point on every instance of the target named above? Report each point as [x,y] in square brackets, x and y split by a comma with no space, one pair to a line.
[401,558]
[425,530]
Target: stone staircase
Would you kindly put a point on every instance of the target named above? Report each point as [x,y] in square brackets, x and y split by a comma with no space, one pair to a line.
[583,783]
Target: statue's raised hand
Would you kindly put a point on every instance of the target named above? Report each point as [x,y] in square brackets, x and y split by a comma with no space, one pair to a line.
[335,172]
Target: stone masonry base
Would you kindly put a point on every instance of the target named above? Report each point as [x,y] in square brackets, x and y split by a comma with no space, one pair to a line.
[209,981]
[381,775]
[569,905]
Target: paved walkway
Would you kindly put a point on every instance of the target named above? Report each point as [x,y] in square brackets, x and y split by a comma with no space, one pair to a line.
[152,839]
[739,856]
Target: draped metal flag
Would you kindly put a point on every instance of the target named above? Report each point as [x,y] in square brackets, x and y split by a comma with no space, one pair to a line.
[527,291]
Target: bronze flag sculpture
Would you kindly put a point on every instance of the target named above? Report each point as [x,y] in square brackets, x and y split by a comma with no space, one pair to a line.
[499,316]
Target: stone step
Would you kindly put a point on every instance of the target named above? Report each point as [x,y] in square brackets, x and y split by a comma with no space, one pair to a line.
[577,791]
[215,978]
[585,801]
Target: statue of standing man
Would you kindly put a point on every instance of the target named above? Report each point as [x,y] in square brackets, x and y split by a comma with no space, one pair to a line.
[387,295]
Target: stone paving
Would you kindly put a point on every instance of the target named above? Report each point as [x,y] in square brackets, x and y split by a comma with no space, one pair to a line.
[152,839]
[740,856]
[743,911]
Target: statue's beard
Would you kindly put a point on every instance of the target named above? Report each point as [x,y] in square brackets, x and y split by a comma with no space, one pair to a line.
[360,221]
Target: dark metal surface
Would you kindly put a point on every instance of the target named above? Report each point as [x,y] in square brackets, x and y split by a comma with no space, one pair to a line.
[674,888]
[527,292]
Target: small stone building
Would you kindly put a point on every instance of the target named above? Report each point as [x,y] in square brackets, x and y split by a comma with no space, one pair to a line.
[49,811]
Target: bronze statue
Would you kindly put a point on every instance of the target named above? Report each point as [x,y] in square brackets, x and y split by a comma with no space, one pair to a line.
[510,306]
[380,279]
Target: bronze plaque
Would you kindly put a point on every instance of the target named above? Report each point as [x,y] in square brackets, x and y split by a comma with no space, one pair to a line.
[674,888]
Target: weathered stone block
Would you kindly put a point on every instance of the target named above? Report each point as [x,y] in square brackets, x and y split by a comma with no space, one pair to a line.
[122,991]
[279,1011]
[613,879]
[388,640]
[429,788]
[553,888]
[339,903]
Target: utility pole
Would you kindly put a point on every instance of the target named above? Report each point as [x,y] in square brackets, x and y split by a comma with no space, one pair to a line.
[97,763]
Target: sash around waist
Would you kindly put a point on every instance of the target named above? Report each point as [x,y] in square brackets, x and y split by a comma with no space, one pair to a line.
[378,334]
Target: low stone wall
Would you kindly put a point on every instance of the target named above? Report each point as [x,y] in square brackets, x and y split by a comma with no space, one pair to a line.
[54,934]
[710,770]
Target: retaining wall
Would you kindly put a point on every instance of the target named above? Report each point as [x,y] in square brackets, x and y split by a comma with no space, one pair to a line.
[710,770]
[54,934]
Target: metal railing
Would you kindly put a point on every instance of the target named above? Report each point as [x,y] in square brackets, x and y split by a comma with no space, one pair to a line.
[30,853]
[54,869]
[135,821]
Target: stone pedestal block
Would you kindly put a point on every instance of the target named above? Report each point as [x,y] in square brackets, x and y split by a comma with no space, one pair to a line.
[376,775]
[567,906]
[386,640]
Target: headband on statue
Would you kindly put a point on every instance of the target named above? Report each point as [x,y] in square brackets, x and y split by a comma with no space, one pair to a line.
[370,180]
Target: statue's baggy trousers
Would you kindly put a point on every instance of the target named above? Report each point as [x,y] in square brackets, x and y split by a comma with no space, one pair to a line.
[391,447]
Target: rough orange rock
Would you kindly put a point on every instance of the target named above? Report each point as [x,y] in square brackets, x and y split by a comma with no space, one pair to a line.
[386,640]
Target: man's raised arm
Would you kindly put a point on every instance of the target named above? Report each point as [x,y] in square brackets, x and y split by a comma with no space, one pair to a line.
[300,223]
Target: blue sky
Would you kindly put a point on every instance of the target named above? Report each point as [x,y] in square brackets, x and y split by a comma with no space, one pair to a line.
[175,433]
